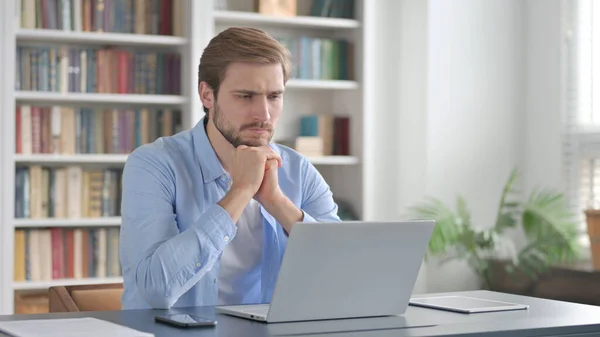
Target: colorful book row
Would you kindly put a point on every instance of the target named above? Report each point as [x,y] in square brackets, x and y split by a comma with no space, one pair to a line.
[320,58]
[333,132]
[97,70]
[333,8]
[73,130]
[70,192]
[66,253]
[157,17]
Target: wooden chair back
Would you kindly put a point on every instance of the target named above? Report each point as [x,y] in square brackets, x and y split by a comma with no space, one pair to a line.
[91,297]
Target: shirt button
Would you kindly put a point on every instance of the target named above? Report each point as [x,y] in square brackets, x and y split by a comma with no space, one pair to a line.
[226,238]
[198,264]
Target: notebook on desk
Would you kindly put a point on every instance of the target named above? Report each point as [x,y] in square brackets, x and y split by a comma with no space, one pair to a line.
[60,327]
[465,304]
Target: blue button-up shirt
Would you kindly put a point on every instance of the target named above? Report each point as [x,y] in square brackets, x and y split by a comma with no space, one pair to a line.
[173,231]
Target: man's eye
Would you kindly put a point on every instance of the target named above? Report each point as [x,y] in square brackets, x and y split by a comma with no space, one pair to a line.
[274,97]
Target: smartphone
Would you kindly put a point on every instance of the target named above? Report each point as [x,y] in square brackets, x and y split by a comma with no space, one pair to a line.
[185,320]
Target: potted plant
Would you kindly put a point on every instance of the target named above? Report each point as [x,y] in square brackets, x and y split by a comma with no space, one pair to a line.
[592,217]
[544,217]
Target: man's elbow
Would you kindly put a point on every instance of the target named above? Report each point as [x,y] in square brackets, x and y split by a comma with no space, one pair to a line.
[153,287]
[155,296]
[157,301]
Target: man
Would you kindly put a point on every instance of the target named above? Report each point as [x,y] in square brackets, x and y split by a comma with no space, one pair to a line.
[206,213]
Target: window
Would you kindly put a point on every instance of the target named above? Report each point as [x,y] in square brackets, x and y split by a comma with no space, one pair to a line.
[582,105]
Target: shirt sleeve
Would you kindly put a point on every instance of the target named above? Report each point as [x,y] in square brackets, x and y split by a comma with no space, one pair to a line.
[317,199]
[164,262]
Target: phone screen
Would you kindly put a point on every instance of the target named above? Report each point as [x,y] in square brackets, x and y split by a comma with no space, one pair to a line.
[185,320]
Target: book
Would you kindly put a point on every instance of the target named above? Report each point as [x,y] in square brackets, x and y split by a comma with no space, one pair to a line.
[282,8]
[66,253]
[69,130]
[156,17]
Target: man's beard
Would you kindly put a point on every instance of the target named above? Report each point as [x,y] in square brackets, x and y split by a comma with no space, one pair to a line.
[232,135]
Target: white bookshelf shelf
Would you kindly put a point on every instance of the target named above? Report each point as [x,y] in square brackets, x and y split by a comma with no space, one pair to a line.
[42,285]
[322,84]
[122,158]
[83,222]
[130,40]
[71,159]
[334,160]
[75,97]
[310,22]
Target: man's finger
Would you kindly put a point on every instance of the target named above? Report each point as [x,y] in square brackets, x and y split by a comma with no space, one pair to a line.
[272,164]
[271,154]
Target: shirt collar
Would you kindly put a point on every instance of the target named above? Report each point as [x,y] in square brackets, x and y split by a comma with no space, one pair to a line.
[210,165]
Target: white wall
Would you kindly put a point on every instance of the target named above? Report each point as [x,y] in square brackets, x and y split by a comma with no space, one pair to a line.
[3,231]
[412,114]
[543,97]
[475,70]
[475,111]
[398,109]
[450,91]
[400,104]
[543,100]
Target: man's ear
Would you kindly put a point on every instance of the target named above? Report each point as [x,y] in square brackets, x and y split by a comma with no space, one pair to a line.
[207,96]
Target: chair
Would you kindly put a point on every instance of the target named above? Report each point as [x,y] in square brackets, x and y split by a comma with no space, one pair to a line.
[92,297]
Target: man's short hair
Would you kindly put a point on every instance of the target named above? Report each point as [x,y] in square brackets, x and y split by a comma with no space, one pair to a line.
[237,44]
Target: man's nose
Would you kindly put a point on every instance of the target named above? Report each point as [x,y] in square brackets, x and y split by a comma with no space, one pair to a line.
[261,108]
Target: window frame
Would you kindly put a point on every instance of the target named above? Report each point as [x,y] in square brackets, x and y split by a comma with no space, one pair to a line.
[581,127]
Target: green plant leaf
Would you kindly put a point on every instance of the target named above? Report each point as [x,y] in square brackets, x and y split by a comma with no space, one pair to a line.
[550,227]
[504,221]
[505,218]
[511,205]
[534,261]
[463,212]
[447,224]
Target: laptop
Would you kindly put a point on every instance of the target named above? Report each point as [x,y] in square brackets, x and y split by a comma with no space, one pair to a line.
[351,269]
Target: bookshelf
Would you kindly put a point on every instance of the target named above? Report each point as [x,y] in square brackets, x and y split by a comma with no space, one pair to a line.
[113,39]
[322,84]
[90,98]
[64,282]
[71,159]
[340,93]
[86,222]
[225,17]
